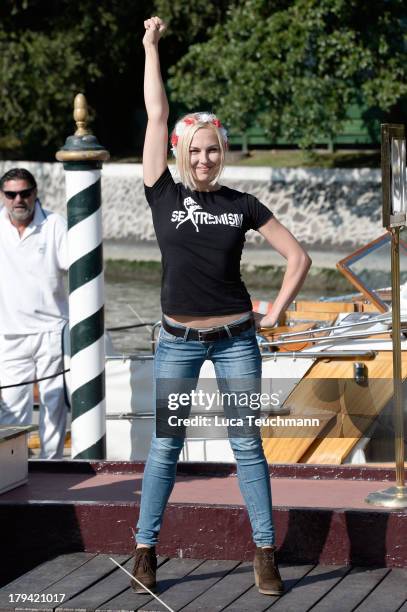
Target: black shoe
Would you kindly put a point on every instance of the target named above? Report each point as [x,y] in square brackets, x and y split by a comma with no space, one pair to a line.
[145,568]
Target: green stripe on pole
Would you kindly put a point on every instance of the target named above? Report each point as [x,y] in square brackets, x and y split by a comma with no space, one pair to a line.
[84,204]
[96,450]
[89,395]
[82,165]
[87,331]
[86,268]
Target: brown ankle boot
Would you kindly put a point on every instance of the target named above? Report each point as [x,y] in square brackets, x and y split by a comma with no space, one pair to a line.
[266,574]
[145,567]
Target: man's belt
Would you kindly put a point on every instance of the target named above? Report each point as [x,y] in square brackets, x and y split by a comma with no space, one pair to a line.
[210,334]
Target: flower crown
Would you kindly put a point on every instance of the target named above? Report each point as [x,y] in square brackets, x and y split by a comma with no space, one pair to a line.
[182,124]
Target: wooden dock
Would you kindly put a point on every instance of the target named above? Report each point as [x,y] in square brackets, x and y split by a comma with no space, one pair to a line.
[87,581]
[59,531]
[320,515]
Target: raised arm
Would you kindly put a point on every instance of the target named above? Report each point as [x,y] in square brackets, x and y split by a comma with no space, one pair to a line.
[156,139]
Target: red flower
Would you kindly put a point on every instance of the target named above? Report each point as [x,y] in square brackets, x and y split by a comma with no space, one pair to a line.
[217,123]
[174,139]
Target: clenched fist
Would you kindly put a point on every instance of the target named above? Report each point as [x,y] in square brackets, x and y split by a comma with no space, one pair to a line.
[155,27]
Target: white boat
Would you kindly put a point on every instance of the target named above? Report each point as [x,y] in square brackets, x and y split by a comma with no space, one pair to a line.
[357,344]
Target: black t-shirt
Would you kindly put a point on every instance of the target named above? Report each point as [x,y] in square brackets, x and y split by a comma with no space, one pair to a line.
[201,236]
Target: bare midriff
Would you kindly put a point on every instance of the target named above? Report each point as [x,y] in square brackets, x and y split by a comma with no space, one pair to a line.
[203,322]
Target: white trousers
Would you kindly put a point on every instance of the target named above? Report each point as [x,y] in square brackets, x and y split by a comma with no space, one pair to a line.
[29,357]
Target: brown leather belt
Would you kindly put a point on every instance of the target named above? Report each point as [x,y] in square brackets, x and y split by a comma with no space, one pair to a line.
[211,334]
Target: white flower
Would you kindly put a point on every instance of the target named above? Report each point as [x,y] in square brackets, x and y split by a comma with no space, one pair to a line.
[180,128]
[206,117]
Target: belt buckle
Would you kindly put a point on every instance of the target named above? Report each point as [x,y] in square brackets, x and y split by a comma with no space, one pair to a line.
[201,335]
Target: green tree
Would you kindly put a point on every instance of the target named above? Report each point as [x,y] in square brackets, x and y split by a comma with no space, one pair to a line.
[190,21]
[50,50]
[295,66]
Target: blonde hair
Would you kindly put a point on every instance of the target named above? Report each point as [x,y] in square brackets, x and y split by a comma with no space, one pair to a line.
[181,139]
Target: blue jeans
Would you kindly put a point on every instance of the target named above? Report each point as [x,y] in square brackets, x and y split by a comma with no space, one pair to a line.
[233,358]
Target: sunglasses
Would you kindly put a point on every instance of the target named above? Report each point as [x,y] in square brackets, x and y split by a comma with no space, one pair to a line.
[24,193]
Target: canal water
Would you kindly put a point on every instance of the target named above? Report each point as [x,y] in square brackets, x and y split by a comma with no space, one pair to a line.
[128,302]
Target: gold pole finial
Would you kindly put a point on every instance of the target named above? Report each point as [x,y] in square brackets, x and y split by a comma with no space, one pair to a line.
[80,114]
[82,146]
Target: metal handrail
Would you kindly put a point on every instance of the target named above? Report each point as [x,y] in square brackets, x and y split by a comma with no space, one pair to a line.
[321,354]
[333,338]
[317,330]
[272,355]
[131,356]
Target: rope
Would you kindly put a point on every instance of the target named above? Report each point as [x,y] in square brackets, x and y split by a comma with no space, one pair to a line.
[31,382]
[123,327]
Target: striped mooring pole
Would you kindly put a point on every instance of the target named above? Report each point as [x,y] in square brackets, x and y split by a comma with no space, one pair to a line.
[82,156]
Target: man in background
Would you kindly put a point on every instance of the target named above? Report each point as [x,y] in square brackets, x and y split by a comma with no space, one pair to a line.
[33,306]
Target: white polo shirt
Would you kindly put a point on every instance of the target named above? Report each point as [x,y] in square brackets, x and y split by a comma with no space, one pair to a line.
[31,276]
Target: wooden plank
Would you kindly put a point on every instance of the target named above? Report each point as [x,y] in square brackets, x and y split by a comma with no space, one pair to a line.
[192,585]
[329,307]
[108,587]
[310,589]
[389,595]
[328,389]
[357,407]
[253,600]
[226,590]
[169,573]
[370,307]
[34,441]
[352,590]
[96,570]
[403,608]
[309,315]
[97,592]
[313,396]
[43,576]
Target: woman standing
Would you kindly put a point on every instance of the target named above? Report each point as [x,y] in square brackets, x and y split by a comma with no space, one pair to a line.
[207,312]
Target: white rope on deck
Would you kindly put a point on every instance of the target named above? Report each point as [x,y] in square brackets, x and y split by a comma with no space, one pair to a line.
[141,584]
